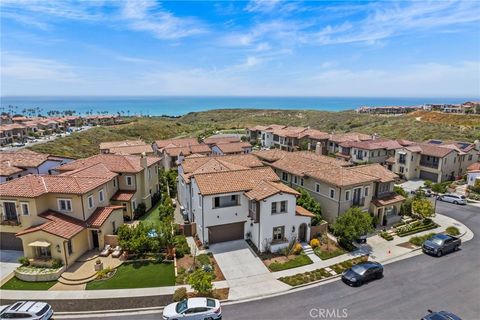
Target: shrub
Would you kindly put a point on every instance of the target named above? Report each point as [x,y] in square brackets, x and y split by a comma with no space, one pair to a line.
[57,263]
[453,231]
[314,243]
[419,240]
[201,281]
[140,210]
[181,246]
[180,294]
[104,273]
[297,249]
[24,261]
[386,236]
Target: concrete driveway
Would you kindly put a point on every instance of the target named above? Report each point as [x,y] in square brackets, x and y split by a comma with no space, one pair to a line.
[245,273]
[8,262]
[412,185]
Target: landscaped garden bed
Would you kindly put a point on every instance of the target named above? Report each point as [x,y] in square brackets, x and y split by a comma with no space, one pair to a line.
[320,274]
[326,249]
[280,263]
[385,235]
[138,274]
[205,261]
[416,227]
[419,240]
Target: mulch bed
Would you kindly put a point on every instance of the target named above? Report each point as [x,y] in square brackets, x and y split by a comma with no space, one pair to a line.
[407,245]
[279,259]
[220,294]
[187,261]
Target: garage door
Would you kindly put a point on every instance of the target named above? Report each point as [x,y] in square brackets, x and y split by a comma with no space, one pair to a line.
[428,176]
[226,232]
[8,241]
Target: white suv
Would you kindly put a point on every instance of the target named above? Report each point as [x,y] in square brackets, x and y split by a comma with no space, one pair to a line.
[28,310]
[453,198]
[194,309]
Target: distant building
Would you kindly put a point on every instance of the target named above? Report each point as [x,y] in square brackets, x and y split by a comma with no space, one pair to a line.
[134,147]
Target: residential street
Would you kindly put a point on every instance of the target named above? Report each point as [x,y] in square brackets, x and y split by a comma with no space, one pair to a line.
[409,288]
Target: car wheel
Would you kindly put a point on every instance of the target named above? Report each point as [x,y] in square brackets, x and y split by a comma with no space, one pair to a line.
[455,202]
[439,253]
[456,248]
[380,276]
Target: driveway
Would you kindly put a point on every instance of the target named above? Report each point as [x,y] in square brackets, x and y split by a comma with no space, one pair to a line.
[8,262]
[245,273]
[412,185]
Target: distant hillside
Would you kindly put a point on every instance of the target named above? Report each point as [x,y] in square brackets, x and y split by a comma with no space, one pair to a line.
[417,126]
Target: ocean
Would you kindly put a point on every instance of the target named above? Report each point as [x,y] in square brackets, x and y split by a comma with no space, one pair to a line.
[175,106]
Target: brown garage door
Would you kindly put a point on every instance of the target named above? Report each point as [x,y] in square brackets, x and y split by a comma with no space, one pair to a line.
[225,232]
[8,241]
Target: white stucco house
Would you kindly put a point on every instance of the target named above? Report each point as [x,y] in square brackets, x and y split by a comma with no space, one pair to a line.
[473,174]
[230,201]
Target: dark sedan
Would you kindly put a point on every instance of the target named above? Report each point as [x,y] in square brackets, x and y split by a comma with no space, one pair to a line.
[362,272]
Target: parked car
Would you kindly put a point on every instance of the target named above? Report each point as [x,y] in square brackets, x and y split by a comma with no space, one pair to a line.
[194,309]
[362,272]
[29,310]
[440,244]
[18,144]
[440,315]
[453,198]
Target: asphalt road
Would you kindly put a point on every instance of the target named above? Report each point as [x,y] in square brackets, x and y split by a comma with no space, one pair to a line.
[408,289]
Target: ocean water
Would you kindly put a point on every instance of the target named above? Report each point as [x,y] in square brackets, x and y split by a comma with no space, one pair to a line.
[175,106]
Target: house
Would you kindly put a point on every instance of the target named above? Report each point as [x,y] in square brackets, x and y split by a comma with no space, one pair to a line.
[473,174]
[369,151]
[59,216]
[335,139]
[435,160]
[23,162]
[136,178]
[173,150]
[218,139]
[231,148]
[133,147]
[15,132]
[335,185]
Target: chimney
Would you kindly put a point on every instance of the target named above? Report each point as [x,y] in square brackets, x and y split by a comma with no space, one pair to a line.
[374,136]
[143,160]
[309,146]
[318,148]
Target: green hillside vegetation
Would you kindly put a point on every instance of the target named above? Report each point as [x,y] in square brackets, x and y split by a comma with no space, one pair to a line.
[417,127]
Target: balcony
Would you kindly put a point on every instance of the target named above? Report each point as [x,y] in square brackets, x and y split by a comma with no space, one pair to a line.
[429,164]
[359,202]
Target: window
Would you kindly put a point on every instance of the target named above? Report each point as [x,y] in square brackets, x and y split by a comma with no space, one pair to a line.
[114,182]
[69,247]
[90,202]
[124,204]
[65,205]
[317,188]
[402,170]
[332,193]
[278,233]
[301,182]
[347,195]
[366,192]
[274,207]
[134,204]
[470,157]
[295,179]
[233,197]
[284,176]
[283,206]
[25,209]
[216,202]
[100,195]
[114,227]
[129,180]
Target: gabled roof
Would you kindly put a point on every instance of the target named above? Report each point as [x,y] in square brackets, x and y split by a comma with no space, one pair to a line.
[270,155]
[184,142]
[123,195]
[33,185]
[114,162]
[176,151]
[349,136]
[376,170]
[233,147]
[124,143]
[265,189]
[474,167]
[340,177]
[99,216]
[233,181]
[57,224]
[430,149]
[221,139]
[301,211]
[13,162]
[98,170]
[385,201]
[132,149]
[372,144]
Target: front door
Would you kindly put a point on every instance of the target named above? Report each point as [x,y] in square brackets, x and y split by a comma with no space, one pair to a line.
[10,210]
[302,232]
[95,239]
[356,196]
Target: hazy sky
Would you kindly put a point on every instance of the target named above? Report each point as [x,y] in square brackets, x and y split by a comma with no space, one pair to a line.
[226,48]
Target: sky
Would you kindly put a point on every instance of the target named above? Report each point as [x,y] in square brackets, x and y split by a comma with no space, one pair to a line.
[240,48]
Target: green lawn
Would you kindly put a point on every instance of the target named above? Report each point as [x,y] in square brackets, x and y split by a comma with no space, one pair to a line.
[153,215]
[143,274]
[298,261]
[16,284]
[324,255]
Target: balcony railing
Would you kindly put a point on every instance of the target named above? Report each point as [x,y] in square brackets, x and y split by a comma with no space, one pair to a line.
[429,164]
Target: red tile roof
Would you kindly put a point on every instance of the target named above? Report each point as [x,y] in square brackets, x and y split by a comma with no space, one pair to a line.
[185,142]
[265,189]
[123,195]
[385,201]
[474,167]
[99,216]
[233,147]
[114,162]
[58,224]
[301,211]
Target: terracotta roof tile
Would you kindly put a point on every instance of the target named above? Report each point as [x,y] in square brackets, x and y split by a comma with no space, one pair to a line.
[265,189]
[57,224]
[376,170]
[99,216]
[233,147]
[114,162]
[176,151]
[301,211]
[185,142]
[147,149]
[217,140]
[474,167]
[385,201]
[233,181]
[123,195]
[349,136]
[124,143]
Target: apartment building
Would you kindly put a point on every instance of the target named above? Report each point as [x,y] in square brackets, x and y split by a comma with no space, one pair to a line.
[136,180]
[336,186]
[435,160]
[236,197]
[335,139]
[23,162]
[174,150]
[59,216]
[370,151]
[132,147]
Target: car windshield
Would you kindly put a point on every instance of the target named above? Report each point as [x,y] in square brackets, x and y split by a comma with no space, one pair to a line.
[210,303]
[359,269]
[437,241]
[181,306]
[41,312]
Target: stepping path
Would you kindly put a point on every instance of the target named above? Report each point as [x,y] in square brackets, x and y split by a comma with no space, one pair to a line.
[307,249]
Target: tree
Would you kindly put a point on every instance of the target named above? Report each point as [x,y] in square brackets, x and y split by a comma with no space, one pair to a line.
[422,207]
[400,191]
[201,281]
[305,200]
[351,225]
[406,208]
